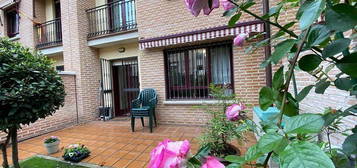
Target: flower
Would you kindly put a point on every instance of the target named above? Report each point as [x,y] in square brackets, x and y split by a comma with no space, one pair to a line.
[227,5]
[195,6]
[71,154]
[169,154]
[239,40]
[232,112]
[212,162]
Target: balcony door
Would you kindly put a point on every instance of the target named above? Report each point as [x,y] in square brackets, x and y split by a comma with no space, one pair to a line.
[121,15]
[125,84]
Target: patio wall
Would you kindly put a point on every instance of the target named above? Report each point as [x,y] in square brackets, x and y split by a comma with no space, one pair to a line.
[64,117]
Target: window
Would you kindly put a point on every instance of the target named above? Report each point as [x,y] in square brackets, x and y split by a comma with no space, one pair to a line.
[190,71]
[60,68]
[12,19]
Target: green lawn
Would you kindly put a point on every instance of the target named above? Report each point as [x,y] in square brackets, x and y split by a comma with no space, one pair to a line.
[37,162]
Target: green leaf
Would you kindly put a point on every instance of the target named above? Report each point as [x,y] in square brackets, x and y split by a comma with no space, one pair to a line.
[232,22]
[303,93]
[321,86]
[304,155]
[341,17]
[266,98]
[350,144]
[336,47]
[278,79]
[291,107]
[318,34]
[235,159]
[230,12]
[310,11]
[348,65]
[281,50]
[252,153]
[304,123]
[343,83]
[309,62]
[270,141]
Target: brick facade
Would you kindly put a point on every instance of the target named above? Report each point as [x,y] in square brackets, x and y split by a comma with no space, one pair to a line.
[64,117]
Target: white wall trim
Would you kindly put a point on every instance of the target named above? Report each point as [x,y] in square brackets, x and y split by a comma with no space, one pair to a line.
[191,102]
[52,50]
[66,73]
[105,41]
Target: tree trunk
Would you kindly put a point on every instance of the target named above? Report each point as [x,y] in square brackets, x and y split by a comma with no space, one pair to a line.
[5,163]
[15,153]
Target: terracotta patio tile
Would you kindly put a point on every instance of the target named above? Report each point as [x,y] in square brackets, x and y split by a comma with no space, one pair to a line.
[110,161]
[119,154]
[144,157]
[108,152]
[136,164]
[131,155]
[128,147]
[97,160]
[140,148]
[122,163]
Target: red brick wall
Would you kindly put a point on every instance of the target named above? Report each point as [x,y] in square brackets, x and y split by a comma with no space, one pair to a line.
[64,117]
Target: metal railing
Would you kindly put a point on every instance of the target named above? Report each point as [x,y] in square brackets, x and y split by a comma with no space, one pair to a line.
[111,18]
[49,33]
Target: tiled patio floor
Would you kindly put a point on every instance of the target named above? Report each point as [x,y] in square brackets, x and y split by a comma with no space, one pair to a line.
[112,143]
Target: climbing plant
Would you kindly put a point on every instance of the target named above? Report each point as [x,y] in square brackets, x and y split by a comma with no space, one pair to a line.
[327,29]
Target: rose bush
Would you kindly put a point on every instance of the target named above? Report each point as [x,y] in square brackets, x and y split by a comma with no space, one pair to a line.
[212,162]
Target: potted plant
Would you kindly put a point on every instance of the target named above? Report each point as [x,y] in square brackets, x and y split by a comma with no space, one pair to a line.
[75,153]
[226,124]
[52,144]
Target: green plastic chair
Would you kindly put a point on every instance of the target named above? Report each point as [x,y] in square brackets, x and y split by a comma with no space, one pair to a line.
[144,106]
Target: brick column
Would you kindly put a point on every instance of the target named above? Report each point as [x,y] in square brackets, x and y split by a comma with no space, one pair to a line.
[80,58]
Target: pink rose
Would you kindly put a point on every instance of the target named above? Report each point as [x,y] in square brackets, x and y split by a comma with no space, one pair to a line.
[169,154]
[212,162]
[227,5]
[239,40]
[195,6]
[233,111]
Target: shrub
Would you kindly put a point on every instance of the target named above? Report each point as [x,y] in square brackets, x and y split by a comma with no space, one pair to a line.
[30,89]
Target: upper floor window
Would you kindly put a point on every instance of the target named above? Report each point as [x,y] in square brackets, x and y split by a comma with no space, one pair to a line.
[190,71]
[12,21]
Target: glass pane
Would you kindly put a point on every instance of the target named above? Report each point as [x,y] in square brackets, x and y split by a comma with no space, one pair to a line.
[176,71]
[220,65]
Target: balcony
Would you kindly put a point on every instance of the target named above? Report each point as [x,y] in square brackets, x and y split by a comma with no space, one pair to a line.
[49,34]
[112,18]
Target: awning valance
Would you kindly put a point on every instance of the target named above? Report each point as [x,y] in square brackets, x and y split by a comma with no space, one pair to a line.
[7,3]
[200,35]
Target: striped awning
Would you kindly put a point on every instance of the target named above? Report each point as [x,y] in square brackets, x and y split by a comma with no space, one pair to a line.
[200,35]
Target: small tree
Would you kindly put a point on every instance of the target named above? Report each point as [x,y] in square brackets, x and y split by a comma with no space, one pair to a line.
[30,89]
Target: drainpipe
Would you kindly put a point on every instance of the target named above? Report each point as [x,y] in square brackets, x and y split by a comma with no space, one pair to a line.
[267,49]
[76,96]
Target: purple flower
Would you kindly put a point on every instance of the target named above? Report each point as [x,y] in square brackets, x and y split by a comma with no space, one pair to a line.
[195,6]
[227,5]
[233,111]
[212,162]
[239,40]
[169,154]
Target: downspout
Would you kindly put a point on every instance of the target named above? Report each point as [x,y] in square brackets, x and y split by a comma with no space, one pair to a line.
[267,48]
[76,97]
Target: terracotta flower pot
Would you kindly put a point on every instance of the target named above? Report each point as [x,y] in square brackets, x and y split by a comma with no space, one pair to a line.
[52,147]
